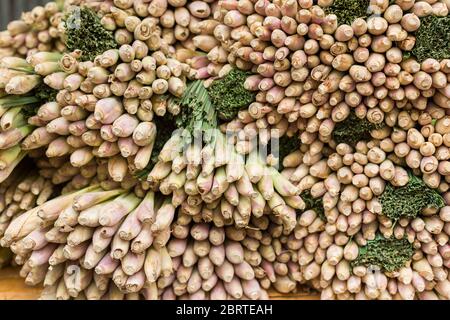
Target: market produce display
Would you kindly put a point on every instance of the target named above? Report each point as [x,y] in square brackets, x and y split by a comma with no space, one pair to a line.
[173,149]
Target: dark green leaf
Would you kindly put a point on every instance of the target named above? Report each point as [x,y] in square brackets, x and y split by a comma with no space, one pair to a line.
[410,200]
[85,32]
[228,94]
[353,129]
[348,10]
[432,38]
[387,254]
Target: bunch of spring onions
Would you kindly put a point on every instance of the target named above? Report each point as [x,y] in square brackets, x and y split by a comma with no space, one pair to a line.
[217,149]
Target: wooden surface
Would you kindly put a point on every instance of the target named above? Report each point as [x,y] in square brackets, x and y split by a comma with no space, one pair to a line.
[12,287]
[293,296]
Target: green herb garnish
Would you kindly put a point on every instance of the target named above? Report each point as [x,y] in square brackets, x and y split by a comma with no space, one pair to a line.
[353,129]
[432,38]
[409,200]
[85,32]
[387,254]
[228,94]
[348,11]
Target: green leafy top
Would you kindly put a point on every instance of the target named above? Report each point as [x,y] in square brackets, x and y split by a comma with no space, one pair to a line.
[11,101]
[85,32]
[432,38]
[348,10]
[388,254]
[228,94]
[353,129]
[409,200]
[197,115]
[315,204]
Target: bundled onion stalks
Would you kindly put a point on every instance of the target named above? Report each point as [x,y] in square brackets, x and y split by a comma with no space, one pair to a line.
[210,263]
[37,30]
[271,250]
[198,166]
[94,113]
[22,93]
[237,189]
[384,259]
[22,192]
[420,141]
[311,69]
[92,243]
[180,24]
[378,232]
[110,115]
[313,149]
[125,83]
[91,126]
